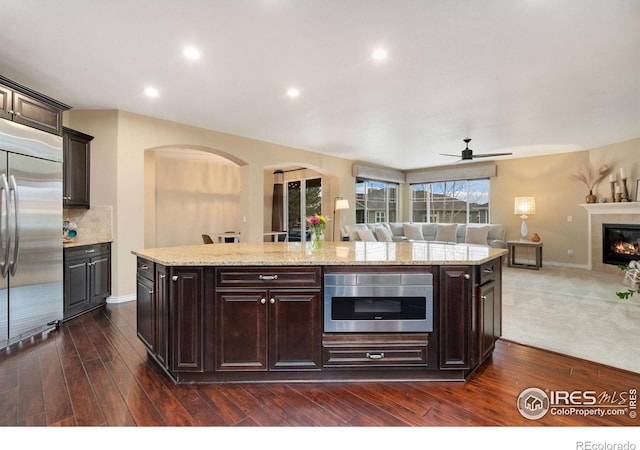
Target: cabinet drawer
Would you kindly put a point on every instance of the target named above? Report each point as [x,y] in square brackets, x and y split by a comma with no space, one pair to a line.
[86,251]
[489,270]
[245,277]
[145,268]
[372,351]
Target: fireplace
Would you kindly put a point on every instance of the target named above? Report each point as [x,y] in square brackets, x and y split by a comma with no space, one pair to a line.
[620,243]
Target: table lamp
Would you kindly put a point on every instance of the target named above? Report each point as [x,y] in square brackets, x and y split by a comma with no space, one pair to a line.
[338,205]
[524,207]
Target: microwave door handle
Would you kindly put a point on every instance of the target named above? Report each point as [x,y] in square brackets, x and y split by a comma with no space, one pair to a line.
[13,187]
[4,188]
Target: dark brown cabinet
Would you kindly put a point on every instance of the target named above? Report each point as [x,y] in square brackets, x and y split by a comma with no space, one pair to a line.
[87,278]
[489,310]
[455,317]
[76,169]
[278,328]
[186,300]
[22,105]
[151,309]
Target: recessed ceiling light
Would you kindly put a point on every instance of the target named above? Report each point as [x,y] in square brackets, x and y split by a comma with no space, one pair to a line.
[293,92]
[191,53]
[151,92]
[379,54]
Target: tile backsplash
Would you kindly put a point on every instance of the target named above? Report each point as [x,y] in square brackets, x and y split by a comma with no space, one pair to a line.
[95,224]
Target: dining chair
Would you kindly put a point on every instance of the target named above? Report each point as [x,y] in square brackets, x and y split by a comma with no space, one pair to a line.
[207,239]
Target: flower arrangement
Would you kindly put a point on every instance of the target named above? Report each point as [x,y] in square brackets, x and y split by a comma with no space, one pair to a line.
[590,177]
[317,223]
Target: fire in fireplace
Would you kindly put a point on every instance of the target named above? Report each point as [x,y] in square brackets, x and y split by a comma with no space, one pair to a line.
[620,243]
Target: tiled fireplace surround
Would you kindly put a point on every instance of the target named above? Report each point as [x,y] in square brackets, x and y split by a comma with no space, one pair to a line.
[599,213]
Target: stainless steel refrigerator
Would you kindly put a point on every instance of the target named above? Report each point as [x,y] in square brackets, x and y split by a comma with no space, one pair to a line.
[31,283]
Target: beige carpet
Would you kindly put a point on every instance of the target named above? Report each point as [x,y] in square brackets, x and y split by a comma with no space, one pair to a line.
[574,312]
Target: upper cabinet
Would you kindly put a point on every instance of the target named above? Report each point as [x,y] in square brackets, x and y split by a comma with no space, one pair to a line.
[22,105]
[77,158]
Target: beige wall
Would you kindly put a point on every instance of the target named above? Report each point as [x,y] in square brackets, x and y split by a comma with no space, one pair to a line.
[118,175]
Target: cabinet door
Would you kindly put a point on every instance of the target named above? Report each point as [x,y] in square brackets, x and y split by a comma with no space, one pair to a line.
[455,317]
[76,286]
[36,114]
[241,331]
[162,314]
[295,337]
[76,168]
[186,304]
[145,312]
[6,102]
[100,277]
[488,327]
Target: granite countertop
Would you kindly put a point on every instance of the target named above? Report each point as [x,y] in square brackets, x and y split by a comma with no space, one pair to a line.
[81,242]
[332,253]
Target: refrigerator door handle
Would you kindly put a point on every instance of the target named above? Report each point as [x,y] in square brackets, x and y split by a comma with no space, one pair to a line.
[4,188]
[13,188]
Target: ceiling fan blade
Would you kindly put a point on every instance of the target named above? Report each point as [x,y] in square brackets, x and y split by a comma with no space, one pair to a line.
[449,154]
[488,155]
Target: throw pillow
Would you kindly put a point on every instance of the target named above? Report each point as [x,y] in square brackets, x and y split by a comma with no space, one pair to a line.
[447,232]
[476,235]
[383,234]
[366,236]
[413,231]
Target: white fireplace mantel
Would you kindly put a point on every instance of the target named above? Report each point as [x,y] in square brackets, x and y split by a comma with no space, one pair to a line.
[612,208]
[595,209]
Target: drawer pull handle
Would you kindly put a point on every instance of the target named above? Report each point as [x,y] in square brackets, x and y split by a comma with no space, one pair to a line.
[488,270]
[93,250]
[144,267]
[162,276]
[150,291]
[375,355]
[483,298]
[268,277]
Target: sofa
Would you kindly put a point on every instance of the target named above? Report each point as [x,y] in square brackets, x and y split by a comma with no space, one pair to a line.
[492,235]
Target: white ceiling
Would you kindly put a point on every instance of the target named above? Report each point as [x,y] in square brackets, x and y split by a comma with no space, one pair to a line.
[526,76]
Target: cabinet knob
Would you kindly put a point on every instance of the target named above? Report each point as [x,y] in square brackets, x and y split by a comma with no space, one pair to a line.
[483,297]
[162,276]
[272,301]
[467,276]
[263,300]
[174,278]
[150,291]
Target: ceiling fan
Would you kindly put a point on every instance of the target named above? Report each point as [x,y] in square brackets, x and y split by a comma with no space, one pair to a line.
[467,153]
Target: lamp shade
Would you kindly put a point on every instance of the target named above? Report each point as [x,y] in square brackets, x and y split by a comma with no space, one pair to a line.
[525,206]
[341,203]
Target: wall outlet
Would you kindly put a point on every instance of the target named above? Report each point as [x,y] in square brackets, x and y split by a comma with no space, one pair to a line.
[569,218]
[570,252]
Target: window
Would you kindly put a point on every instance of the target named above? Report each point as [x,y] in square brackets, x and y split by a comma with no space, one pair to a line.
[376,201]
[461,201]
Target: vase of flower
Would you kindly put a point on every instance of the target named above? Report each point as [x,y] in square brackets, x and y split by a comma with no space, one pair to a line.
[317,239]
[317,223]
[591,198]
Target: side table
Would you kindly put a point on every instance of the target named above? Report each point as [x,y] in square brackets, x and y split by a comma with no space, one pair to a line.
[536,246]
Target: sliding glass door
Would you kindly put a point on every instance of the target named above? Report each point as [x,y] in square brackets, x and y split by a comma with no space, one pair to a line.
[304,198]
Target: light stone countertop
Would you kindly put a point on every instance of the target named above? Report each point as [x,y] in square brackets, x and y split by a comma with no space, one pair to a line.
[331,254]
[81,242]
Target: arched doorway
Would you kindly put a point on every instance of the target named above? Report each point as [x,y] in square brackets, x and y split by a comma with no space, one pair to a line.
[189,192]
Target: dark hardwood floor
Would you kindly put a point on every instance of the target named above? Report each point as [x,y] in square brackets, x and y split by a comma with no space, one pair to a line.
[93,371]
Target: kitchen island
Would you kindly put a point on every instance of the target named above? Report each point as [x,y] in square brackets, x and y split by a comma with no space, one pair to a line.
[271,311]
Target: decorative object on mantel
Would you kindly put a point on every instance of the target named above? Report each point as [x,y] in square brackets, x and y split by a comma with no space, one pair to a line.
[317,223]
[524,206]
[535,237]
[620,192]
[590,178]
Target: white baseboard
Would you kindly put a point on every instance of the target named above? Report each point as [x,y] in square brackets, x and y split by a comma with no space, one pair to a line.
[121,298]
